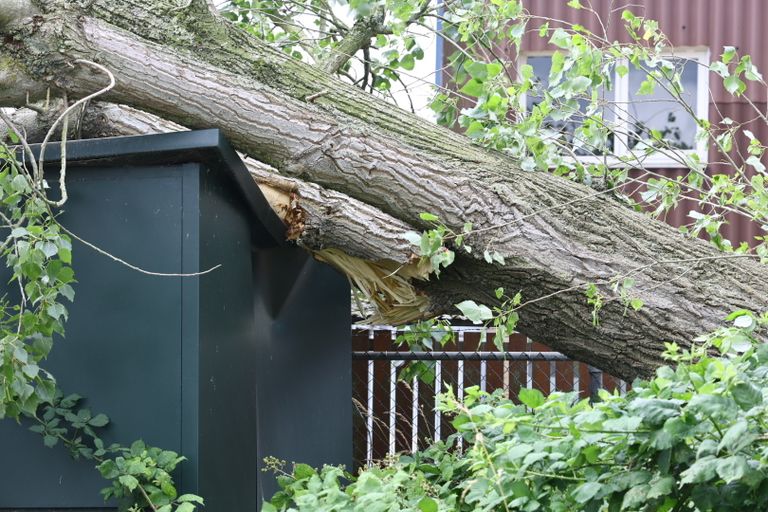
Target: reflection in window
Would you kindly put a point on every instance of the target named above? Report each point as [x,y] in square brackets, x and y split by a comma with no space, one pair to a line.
[569,128]
[659,111]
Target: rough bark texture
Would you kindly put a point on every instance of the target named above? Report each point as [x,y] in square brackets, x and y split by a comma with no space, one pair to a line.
[317,218]
[197,70]
[381,262]
[358,37]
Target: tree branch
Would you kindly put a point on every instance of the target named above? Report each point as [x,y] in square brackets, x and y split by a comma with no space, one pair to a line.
[358,37]
[402,166]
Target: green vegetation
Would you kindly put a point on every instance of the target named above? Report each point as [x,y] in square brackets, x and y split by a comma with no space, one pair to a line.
[691,438]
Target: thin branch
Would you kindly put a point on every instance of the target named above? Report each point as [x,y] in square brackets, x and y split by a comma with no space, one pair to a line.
[76,104]
[358,37]
[134,267]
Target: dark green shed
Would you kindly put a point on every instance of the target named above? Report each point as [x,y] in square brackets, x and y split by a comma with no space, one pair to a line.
[250,360]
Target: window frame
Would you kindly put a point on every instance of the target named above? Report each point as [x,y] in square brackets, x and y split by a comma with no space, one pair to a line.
[699,54]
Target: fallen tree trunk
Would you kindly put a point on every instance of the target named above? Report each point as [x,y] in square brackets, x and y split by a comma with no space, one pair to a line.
[193,68]
[381,264]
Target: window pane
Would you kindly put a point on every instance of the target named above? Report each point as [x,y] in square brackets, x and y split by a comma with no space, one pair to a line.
[541,65]
[659,111]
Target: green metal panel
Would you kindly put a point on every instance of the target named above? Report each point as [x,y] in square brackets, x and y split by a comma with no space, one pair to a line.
[305,401]
[121,351]
[227,380]
[250,360]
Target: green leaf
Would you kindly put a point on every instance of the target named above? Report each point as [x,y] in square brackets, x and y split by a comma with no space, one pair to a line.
[30,370]
[108,469]
[50,249]
[413,237]
[19,232]
[429,217]
[473,88]
[56,311]
[130,482]
[719,68]
[746,395]
[710,405]
[531,397]
[191,498]
[68,292]
[736,437]
[647,87]
[729,52]
[732,468]
[654,411]
[476,313]
[755,163]
[661,487]
[586,491]
[100,420]
[301,471]
[407,62]
[627,15]
[65,255]
[494,68]
[734,85]
[19,183]
[12,136]
[561,38]
[427,504]
[475,130]
[703,470]
[477,70]
[635,497]
[137,448]
[517,31]
[168,489]
[185,507]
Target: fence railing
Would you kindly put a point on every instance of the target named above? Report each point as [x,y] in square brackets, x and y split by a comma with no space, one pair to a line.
[396,416]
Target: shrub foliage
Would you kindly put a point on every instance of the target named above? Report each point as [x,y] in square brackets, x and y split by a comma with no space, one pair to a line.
[691,438]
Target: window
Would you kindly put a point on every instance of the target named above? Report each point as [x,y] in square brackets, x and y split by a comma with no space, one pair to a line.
[635,117]
[541,65]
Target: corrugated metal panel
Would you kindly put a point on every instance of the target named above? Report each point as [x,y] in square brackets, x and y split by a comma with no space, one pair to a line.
[687,23]
[739,228]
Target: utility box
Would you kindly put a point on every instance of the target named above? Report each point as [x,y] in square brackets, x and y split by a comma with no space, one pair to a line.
[249,360]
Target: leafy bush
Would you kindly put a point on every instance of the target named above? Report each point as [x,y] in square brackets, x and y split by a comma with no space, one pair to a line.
[691,438]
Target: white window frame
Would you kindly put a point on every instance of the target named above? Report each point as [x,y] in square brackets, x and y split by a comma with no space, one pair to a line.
[699,54]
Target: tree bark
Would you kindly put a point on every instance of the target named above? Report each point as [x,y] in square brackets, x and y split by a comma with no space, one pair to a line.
[556,236]
[359,36]
[317,219]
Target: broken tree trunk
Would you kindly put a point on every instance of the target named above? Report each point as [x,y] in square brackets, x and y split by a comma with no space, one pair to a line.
[191,67]
[381,264]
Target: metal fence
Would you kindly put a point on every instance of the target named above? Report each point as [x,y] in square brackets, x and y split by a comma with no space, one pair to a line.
[392,415]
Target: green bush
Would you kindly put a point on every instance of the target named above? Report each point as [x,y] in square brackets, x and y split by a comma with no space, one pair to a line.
[691,438]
